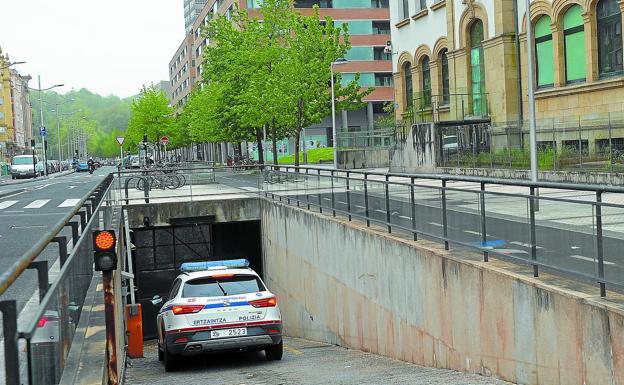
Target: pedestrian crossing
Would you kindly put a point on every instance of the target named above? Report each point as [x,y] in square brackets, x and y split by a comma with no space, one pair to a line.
[37,204]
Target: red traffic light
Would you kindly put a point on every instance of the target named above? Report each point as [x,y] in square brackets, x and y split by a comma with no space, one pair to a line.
[104,240]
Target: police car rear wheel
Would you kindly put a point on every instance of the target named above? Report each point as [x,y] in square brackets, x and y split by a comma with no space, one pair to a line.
[161,354]
[275,352]
[171,363]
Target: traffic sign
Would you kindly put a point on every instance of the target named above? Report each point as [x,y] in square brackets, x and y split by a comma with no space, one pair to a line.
[120,140]
[164,141]
[42,131]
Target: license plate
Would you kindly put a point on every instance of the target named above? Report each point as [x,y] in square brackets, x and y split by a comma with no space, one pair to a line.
[224,333]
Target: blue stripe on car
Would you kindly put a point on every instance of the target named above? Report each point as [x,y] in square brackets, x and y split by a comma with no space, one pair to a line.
[220,305]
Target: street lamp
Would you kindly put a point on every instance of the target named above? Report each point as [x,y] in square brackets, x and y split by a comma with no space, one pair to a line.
[12,64]
[333,107]
[45,160]
[58,125]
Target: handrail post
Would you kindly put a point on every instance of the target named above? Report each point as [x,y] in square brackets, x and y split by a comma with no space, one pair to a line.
[306,189]
[348,197]
[444,218]
[532,231]
[11,351]
[366,200]
[42,277]
[483,223]
[318,184]
[387,188]
[413,204]
[333,198]
[62,244]
[599,244]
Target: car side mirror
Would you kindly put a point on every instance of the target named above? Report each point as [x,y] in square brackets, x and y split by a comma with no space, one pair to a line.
[157,300]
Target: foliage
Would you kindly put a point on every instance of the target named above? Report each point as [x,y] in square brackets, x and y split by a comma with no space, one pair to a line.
[151,116]
[315,155]
[272,73]
[102,118]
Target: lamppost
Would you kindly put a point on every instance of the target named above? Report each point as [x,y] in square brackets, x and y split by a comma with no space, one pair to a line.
[43,142]
[333,107]
[58,126]
[531,76]
[11,64]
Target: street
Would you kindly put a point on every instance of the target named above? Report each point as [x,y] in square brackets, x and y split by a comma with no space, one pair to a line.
[27,210]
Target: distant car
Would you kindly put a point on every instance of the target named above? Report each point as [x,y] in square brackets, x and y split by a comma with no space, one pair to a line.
[22,167]
[82,165]
[133,162]
[218,306]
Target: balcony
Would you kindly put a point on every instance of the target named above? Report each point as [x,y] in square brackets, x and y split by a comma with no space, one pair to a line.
[448,109]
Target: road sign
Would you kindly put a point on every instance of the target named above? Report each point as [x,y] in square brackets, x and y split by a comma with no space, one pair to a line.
[120,140]
[42,131]
[164,141]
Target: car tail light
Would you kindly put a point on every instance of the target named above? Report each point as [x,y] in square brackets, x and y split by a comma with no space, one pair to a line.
[186,309]
[273,331]
[180,340]
[264,302]
[42,322]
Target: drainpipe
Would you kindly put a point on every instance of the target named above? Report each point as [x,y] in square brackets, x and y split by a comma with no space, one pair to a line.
[518,70]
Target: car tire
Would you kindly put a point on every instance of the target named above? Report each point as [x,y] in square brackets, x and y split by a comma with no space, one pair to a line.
[171,362]
[275,352]
[161,354]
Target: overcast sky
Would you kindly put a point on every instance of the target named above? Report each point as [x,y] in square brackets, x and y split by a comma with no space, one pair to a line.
[106,46]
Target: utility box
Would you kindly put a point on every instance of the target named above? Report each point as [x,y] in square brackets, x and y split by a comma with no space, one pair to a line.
[134,320]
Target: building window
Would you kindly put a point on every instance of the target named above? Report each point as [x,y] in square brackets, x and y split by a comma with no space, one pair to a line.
[380,3]
[359,53]
[312,3]
[405,9]
[446,89]
[477,69]
[407,81]
[425,73]
[574,44]
[381,28]
[380,54]
[421,4]
[609,21]
[383,80]
[544,56]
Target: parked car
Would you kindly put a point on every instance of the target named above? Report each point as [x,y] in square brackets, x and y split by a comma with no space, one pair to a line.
[82,165]
[22,166]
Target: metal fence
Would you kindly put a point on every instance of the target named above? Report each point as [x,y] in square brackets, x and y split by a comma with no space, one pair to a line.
[35,350]
[567,143]
[563,228]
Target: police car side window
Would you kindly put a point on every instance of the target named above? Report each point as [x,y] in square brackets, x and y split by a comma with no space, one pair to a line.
[174,288]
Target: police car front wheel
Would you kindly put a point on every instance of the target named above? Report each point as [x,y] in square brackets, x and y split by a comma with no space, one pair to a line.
[275,352]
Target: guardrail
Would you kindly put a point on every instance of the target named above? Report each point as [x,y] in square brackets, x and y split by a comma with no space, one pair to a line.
[487,220]
[47,335]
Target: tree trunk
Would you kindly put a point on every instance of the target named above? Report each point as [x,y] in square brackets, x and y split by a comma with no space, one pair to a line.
[299,113]
[240,151]
[260,149]
[274,139]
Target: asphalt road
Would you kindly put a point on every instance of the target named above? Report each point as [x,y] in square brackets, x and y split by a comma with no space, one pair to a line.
[28,210]
[304,363]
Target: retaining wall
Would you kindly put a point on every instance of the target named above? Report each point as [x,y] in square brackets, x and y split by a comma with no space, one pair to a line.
[341,283]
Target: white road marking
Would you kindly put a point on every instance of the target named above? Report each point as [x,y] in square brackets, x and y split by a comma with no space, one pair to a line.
[6,204]
[472,232]
[71,187]
[435,224]
[590,259]
[39,203]
[69,203]
[524,244]
[404,217]
[381,211]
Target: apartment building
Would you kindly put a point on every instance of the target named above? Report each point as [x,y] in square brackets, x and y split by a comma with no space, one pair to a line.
[22,112]
[182,74]
[456,63]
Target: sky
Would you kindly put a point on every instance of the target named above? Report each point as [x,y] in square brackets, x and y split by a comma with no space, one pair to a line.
[107,46]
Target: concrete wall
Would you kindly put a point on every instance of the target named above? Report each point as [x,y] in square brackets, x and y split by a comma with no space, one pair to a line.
[343,284]
[224,210]
[418,153]
[371,158]
[589,177]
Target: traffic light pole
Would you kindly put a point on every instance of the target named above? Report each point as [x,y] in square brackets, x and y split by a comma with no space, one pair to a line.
[45,160]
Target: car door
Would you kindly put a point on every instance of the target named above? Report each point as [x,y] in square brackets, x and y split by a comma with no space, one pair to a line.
[169,300]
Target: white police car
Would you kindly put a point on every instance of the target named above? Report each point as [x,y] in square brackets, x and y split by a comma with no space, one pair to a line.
[218,306]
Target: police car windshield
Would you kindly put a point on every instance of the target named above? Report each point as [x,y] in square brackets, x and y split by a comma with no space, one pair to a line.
[216,287]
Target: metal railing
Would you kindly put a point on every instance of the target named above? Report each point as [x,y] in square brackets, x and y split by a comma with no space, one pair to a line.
[428,108]
[45,337]
[570,229]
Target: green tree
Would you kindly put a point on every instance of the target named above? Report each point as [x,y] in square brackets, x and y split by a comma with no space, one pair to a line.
[151,116]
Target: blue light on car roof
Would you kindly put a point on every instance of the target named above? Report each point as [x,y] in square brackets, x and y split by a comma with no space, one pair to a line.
[208,265]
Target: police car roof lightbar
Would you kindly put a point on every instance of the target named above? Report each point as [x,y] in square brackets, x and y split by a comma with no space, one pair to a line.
[214,265]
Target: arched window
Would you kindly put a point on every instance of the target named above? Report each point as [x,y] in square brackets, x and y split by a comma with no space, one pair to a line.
[574,43]
[425,72]
[477,69]
[446,89]
[544,56]
[409,90]
[609,21]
